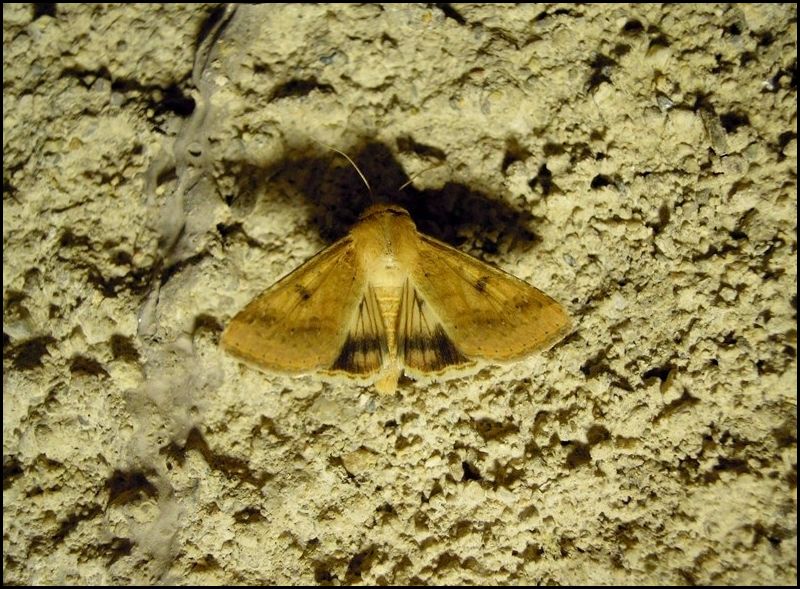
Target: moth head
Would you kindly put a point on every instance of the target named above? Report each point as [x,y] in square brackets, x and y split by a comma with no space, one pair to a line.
[381,209]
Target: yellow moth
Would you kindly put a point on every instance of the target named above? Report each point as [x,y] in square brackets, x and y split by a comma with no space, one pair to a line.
[386,300]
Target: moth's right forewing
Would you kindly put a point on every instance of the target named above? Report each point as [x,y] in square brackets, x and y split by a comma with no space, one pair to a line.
[486,313]
[300,323]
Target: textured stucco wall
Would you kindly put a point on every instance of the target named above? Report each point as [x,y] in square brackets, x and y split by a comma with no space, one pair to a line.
[638,163]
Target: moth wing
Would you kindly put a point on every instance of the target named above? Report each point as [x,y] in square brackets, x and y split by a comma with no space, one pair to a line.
[366,345]
[422,343]
[305,321]
[485,312]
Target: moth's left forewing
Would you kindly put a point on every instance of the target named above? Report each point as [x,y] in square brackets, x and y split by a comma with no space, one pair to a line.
[486,313]
[300,323]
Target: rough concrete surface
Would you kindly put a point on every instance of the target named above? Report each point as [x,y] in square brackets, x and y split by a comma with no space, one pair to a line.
[164,164]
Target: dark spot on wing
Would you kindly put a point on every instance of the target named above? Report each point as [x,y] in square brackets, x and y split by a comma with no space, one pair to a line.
[535,304]
[360,355]
[302,292]
[480,285]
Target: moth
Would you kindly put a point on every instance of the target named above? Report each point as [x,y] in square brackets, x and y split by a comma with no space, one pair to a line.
[386,300]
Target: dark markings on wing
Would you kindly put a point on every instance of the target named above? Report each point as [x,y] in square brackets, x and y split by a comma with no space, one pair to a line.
[359,356]
[436,349]
[302,292]
[365,348]
[481,283]
[422,343]
[491,315]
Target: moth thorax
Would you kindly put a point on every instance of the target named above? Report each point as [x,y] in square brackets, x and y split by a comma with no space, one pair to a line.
[389,304]
[386,273]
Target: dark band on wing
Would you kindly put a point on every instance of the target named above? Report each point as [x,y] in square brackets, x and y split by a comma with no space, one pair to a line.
[360,355]
[364,349]
[431,352]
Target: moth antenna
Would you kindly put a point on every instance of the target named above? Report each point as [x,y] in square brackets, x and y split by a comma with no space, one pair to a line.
[372,196]
[347,157]
[410,180]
